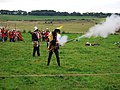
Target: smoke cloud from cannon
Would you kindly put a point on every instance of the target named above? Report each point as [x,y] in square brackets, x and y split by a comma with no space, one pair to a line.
[109,26]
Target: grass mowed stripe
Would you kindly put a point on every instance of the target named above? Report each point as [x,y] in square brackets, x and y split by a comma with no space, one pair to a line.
[54,75]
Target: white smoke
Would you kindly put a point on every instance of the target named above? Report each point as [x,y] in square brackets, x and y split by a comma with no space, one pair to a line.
[110,26]
[62,39]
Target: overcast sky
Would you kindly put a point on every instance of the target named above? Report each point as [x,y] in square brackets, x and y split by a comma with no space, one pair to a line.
[105,6]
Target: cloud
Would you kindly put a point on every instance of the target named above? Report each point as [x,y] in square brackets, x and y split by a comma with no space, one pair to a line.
[6,1]
[62,5]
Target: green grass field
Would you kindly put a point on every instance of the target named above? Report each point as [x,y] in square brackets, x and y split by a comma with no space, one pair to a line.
[82,67]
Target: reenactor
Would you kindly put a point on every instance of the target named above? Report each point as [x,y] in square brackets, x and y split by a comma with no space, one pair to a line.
[36,42]
[11,36]
[53,46]
[46,36]
[3,34]
[43,35]
[14,35]
[20,36]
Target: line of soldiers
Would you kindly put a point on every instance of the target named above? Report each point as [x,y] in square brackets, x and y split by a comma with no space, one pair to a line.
[13,35]
[52,44]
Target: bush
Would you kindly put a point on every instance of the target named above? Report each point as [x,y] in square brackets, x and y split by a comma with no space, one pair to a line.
[29,31]
[24,31]
[63,32]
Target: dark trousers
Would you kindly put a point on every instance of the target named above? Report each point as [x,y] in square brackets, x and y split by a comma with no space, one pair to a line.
[11,39]
[36,49]
[57,56]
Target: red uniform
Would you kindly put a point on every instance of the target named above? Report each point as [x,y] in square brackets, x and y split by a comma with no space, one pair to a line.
[20,36]
[11,36]
[46,35]
[3,32]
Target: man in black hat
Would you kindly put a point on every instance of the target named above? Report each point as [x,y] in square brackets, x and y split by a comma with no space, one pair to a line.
[53,46]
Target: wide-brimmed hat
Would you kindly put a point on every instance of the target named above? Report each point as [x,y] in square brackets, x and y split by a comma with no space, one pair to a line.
[35,29]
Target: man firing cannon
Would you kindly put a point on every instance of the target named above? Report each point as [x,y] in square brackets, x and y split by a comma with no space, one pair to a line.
[53,45]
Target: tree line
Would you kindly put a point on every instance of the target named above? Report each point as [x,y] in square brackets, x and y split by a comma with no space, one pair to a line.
[53,13]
